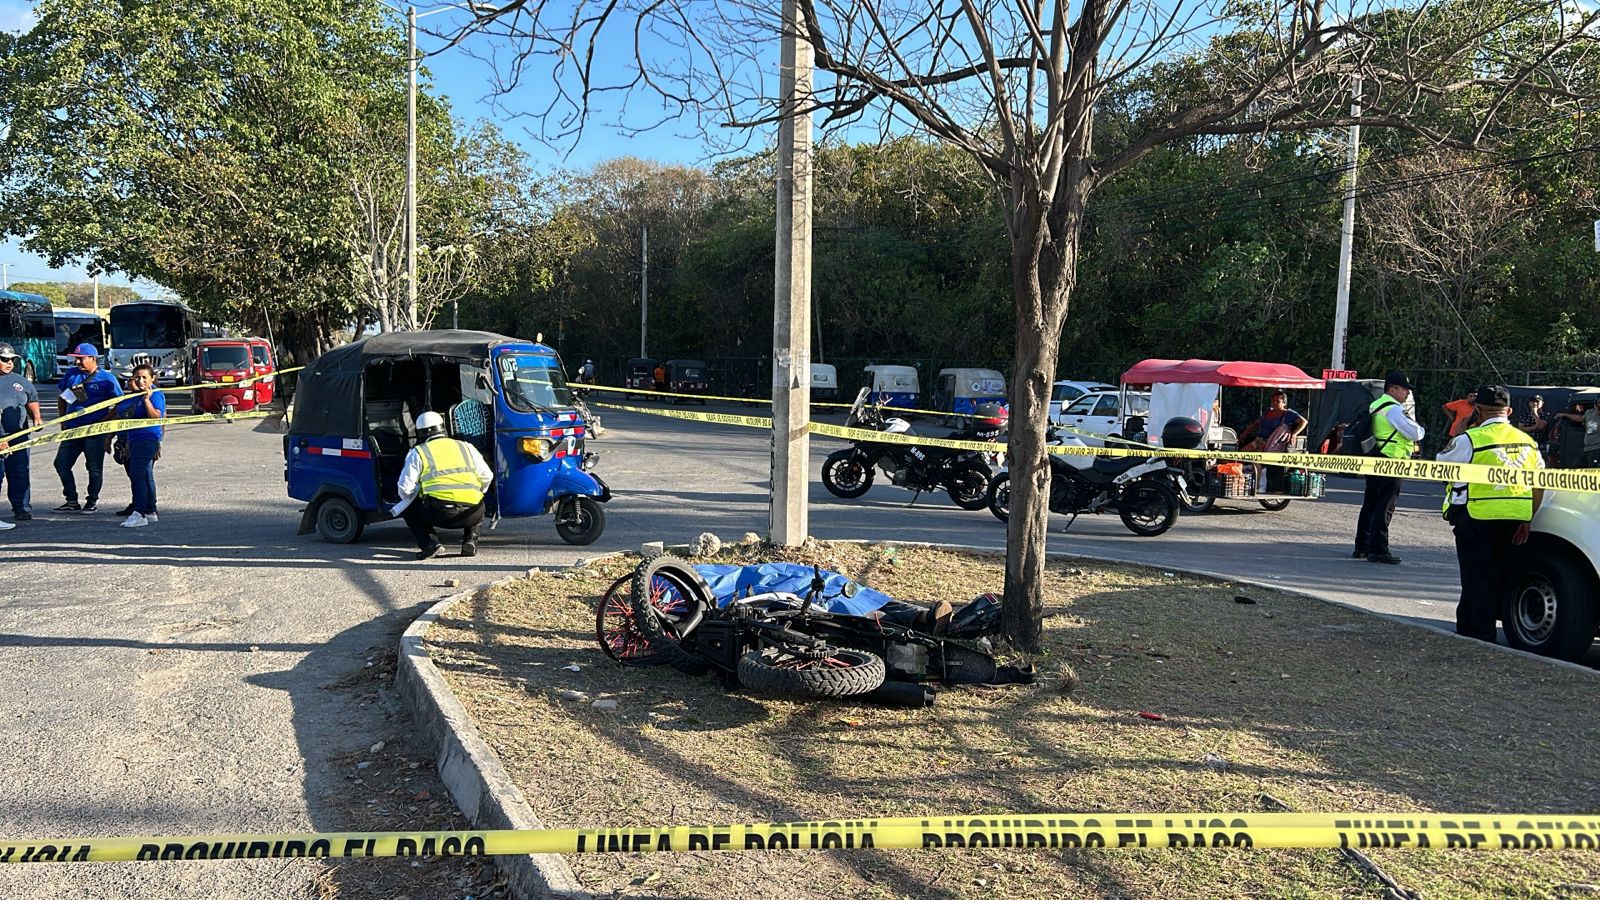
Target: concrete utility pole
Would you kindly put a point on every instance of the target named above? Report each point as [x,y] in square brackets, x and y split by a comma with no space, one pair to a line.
[5,276]
[1347,234]
[791,294]
[411,160]
[644,289]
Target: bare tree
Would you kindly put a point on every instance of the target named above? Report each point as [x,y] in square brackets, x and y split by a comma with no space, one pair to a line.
[1443,235]
[1053,99]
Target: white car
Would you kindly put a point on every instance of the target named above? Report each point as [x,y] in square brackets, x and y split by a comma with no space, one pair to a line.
[1550,586]
[1099,414]
[1062,393]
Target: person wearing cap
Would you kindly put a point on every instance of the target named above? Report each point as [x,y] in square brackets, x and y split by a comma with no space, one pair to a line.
[442,485]
[1488,519]
[1397,436]
[19,409]
[83,387]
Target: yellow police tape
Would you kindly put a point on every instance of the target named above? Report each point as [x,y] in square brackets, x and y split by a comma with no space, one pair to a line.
[106,404]
[1581,481]
[760,400]
[1015,831]
[111,426]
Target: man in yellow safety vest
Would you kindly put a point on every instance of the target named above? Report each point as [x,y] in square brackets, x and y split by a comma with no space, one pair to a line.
[442,486]
[1397,435]
[1489,519]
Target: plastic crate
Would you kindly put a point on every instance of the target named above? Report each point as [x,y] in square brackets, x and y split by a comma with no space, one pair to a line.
[1228,487]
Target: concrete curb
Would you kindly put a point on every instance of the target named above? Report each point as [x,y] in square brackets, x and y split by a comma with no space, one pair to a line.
[479,784]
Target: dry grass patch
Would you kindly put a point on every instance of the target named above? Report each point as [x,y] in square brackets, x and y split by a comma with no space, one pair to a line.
[1324,708]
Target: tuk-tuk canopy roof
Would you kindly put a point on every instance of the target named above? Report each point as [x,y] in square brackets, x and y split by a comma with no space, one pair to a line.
[328,394]
[1226,374]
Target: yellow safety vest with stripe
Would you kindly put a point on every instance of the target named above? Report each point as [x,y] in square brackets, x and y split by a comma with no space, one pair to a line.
[1498,444]
[1391,442]
[448,473]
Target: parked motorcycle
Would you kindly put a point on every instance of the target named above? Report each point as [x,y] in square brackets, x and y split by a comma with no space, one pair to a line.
[963,474]
[1142,490]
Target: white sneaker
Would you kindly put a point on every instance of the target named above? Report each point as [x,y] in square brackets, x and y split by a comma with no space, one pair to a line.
[7,526]
[136,521]
[152,518]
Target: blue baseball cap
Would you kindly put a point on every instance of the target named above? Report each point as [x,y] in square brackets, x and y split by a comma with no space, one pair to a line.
[85,350]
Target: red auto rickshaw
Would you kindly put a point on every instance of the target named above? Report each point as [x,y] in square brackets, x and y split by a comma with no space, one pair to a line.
[227,364]
[262,366]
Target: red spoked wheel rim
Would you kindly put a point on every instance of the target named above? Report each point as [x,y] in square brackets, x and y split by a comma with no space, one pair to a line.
[618,631]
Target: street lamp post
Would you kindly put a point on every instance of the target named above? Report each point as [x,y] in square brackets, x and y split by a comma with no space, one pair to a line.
[411,158]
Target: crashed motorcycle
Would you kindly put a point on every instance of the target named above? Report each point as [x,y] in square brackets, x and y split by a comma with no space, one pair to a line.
[963,474]
[1142,490]
[825,643]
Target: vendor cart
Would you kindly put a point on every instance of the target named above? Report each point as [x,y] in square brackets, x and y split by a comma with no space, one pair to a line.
[1193,388]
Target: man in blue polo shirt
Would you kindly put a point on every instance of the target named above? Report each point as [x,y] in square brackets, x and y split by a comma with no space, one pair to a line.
[83,387]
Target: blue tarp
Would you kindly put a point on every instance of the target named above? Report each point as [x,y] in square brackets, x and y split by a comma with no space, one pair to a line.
[795,578]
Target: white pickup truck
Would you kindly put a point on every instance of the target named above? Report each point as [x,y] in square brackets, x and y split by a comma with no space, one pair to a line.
[1550,587]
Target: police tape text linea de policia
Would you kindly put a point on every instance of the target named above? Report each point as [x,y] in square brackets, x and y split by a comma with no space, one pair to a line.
[1010,831]
[1582,481]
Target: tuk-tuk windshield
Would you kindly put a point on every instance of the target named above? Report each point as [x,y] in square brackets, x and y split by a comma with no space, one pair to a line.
[532,384]
[226,356]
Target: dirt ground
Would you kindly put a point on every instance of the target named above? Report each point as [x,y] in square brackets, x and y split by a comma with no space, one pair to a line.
[1322,708]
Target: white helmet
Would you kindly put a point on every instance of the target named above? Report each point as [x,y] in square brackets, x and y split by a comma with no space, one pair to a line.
[429,424]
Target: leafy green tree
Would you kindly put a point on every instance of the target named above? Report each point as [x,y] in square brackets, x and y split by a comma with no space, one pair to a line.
[52,292]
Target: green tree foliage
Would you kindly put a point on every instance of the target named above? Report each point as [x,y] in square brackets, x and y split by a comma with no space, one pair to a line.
[51,292]
[80,295]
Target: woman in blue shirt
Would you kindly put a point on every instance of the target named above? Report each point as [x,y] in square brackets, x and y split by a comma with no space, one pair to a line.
[144,445]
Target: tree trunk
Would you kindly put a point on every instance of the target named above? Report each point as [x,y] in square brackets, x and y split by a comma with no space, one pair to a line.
[1042,279]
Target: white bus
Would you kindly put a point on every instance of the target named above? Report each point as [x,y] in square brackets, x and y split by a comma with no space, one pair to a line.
[154,332]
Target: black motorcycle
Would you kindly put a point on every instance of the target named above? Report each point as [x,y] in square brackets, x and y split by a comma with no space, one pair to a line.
[780,643]
[963,474]
[1140,489]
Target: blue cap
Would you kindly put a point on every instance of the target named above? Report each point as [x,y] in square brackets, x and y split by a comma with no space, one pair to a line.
[85,350]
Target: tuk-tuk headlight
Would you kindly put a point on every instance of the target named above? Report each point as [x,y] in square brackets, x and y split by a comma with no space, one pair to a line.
[536,447]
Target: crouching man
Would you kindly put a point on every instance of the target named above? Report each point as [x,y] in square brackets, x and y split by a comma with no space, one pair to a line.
[442,486]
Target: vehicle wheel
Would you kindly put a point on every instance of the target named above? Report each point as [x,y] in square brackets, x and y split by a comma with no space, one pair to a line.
[617,628]
[30,373]
[843,673]
[1148,508]
[669,600]
[1195,503]
[1549,607]
[999,498]
[969,488]
[1274,505]
[846,475]
[338,522]
[583,524]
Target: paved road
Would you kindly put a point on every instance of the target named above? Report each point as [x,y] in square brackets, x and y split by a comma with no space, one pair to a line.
[207,673]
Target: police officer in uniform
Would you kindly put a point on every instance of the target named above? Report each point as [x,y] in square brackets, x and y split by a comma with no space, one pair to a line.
[1397,435]
[19,408]
[442,486]
[1489,519]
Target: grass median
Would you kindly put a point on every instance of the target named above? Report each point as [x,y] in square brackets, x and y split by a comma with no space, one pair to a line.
[1320,707]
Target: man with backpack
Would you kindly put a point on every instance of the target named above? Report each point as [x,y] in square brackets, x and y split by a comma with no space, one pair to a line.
[1393,434]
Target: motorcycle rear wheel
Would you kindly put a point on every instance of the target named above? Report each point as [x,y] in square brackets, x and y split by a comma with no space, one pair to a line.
[669,600]
[1148,508]
[969,488]
[845,475]
[843,673]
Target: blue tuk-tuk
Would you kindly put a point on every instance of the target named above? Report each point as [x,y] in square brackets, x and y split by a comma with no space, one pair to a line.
[893,386]
[352,424]
[961,391]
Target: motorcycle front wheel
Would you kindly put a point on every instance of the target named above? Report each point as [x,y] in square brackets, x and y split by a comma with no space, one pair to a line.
[969,488]
[1148,508]
[847,475]
[1000,497]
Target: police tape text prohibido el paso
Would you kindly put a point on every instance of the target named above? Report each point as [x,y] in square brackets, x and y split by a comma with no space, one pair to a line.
[1006,831]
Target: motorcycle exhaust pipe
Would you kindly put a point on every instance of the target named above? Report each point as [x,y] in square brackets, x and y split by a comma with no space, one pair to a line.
[900,693]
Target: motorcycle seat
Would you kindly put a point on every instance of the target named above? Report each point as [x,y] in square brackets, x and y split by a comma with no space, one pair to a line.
[1108,469]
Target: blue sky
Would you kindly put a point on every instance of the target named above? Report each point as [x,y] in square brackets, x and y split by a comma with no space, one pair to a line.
[468,83]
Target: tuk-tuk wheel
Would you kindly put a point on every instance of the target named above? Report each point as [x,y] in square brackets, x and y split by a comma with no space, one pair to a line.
[1274,505]
[580,520]
[338,522]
